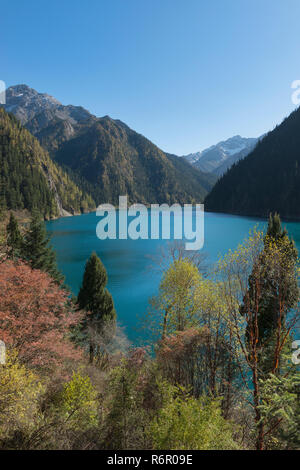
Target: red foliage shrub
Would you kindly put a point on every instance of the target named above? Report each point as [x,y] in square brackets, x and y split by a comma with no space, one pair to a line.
[34,316]
[182,344]
[178,354]
[137,357]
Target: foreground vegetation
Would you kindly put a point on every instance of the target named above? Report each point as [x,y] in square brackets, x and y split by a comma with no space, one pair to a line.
[218,374]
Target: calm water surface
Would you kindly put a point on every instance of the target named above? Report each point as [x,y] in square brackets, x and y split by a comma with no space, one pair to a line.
[128,262]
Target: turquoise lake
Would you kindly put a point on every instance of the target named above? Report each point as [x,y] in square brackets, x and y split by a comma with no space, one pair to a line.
[128,262]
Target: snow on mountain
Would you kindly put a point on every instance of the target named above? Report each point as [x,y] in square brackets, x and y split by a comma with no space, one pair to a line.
[214,157]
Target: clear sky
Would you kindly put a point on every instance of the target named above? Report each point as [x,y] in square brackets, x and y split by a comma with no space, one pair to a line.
[185,73]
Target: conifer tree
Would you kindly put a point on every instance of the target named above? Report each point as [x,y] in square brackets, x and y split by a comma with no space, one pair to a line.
[37,250]
[276,293]
[95,299]
[275,230]
[14,238]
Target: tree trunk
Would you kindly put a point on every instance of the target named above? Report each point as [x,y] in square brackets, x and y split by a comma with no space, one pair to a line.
[91,353]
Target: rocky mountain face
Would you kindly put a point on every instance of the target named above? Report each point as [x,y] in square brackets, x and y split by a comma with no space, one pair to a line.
[234,158]
[26,103]
[44,116]
[218,158]
[104,156]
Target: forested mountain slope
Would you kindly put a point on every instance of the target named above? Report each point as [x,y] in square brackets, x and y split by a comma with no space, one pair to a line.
[118,161]
[105,156]
[29,179]
[267,180]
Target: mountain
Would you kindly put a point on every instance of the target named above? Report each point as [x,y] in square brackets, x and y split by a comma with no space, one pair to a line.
[116,160]
[104,156]
[44,116]
[218,158]
[29,179]
[267,180]
[232,159]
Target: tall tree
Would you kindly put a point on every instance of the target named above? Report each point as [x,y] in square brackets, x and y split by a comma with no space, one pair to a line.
[37,250]
[275,229]
[278,288]
[14,238]
[270,311]
[95,299]
[176,302]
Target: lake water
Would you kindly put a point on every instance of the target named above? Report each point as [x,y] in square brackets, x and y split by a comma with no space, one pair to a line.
[128,262]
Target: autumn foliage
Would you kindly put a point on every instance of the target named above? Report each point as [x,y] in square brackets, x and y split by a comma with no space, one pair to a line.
[204,384]
[35,316]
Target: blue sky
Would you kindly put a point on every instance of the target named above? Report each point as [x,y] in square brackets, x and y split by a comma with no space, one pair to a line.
[185,73]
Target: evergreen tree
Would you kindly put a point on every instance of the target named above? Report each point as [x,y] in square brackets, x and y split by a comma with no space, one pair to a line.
[280,401]
[275,230]
[276,293]
[26,171]
[14,238]
[37,250]
[95,299]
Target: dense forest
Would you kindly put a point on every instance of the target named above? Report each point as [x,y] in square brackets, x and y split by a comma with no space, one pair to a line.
[29,179]
[217,374]
[116,161]
[267,180]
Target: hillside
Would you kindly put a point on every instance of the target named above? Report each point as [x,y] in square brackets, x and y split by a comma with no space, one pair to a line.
[232,159]
[116,161]
[29,179]
[104,156]
[267,180]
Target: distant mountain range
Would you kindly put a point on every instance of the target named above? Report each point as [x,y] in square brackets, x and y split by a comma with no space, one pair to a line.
[218,158]
[103,156]
[267,180]
[82,160]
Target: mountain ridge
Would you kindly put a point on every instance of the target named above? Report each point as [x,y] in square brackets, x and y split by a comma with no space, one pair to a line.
[267,180]
[218,158]
[105,154]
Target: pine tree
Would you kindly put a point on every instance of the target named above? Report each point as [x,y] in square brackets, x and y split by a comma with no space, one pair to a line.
[275,230]
[14,238]
[37,250]
[95,299]
[280,401]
